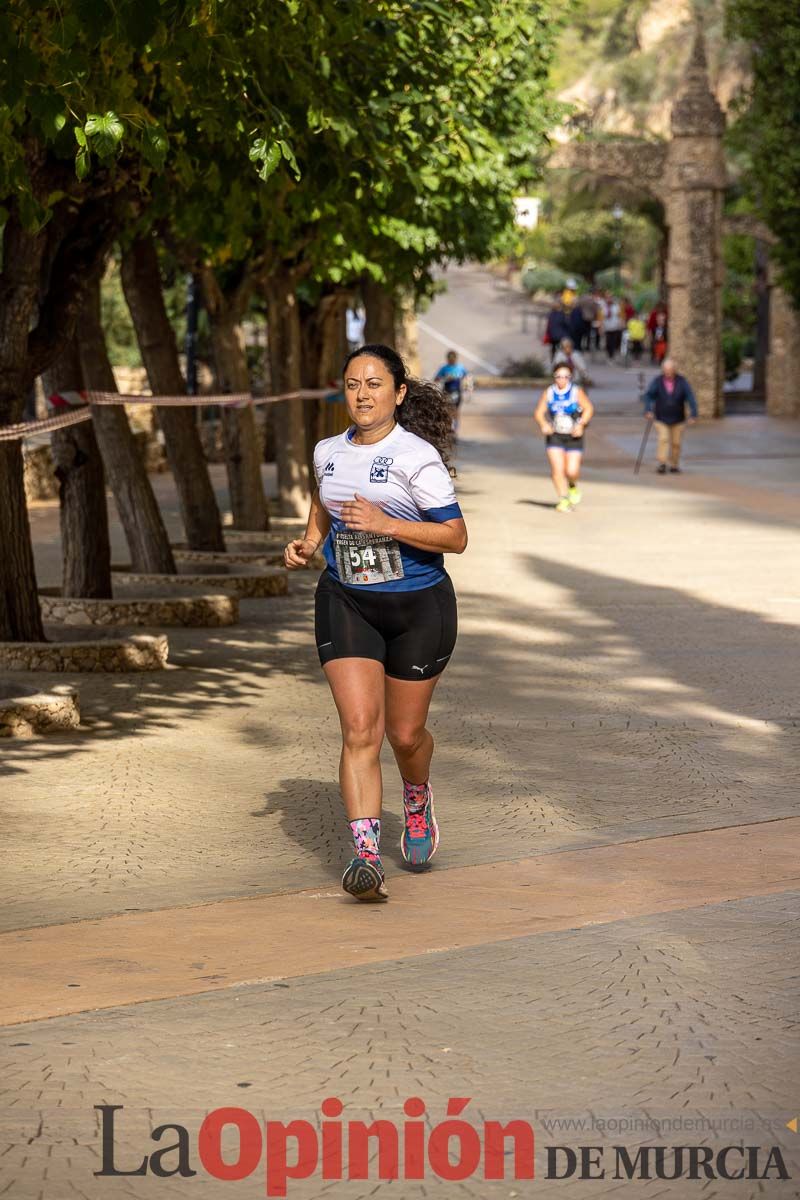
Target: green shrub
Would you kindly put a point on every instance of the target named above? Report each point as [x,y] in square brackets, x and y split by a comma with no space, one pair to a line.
[644,297]
[543,279]
[733,351]
[524,368]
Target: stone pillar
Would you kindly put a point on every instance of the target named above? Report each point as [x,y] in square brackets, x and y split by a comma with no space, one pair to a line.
[783,357]
[693,184]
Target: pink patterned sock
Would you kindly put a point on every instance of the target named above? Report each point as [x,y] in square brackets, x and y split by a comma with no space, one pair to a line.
[415,796]
[366,833]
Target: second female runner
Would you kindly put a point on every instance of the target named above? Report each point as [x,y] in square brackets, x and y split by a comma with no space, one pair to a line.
[563,412]
[386,512]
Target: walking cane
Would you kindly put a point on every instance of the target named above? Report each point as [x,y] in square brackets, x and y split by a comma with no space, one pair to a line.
[647,427]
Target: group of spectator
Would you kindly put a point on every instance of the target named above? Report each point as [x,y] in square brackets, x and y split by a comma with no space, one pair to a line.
[589,320]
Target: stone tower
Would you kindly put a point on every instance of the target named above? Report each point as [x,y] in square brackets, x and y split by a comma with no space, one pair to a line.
[692,190]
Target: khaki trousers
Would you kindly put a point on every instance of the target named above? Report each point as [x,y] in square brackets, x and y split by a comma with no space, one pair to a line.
[669,442]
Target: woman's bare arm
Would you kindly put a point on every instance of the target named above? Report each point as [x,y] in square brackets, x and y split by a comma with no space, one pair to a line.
[540,414]
[440,537]
[300,551]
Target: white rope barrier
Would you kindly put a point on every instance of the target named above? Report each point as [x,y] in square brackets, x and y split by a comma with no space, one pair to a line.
[25,429]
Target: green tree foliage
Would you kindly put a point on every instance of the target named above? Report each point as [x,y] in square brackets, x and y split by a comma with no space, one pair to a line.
[98,105]
[585,243]
[474,111]
[766,131]
[580,239]
[301,139]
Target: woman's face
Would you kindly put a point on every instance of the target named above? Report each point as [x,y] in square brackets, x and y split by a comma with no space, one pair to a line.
[562,380]
[370,393]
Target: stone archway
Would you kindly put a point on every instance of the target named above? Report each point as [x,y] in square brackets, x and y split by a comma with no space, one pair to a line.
[687,175]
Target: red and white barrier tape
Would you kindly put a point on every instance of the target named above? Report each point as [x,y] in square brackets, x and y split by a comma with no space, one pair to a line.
[11,433]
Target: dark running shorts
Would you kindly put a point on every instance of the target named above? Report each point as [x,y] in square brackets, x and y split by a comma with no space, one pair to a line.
[411,633]
[564,441]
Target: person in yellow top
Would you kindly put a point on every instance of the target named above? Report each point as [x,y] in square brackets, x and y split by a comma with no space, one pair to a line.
[637,331]
[570,294]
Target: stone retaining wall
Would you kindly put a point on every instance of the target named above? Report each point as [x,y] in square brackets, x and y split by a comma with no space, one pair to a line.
[208,611]
[284,527]
[40,482]
[270,539]
[272,581]
[141,652]
[24,712]
[272,557]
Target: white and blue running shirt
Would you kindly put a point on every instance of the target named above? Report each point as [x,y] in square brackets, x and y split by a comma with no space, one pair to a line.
[403,474]
[563,408]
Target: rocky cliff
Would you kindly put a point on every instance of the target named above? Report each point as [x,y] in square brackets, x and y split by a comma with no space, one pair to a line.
[619,62]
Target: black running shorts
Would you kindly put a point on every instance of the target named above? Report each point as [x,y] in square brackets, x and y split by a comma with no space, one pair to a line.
[411,633]
[564,441]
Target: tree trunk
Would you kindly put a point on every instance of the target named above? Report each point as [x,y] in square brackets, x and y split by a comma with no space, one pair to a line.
[381,313]
[148,543]
[291,453]
[141,281]
[85,545]
[240,436]
[762,318]
[324,342]
[20,616]
[406,333]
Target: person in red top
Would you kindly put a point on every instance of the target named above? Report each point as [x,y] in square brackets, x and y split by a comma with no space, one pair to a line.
[657,333]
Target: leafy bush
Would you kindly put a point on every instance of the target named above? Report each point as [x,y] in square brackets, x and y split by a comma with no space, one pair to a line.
[610,280]
[123,348]
[644,297]
[765,133]
[543,279]
[733,351]
[585,243]
[524,368]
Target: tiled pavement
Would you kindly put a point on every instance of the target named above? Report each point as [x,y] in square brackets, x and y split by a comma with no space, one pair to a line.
[625,672]
[672,1024]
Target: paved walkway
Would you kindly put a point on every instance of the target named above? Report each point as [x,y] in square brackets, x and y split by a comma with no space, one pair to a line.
[607,944]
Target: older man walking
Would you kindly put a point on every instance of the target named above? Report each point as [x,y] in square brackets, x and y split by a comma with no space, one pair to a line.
[666,401]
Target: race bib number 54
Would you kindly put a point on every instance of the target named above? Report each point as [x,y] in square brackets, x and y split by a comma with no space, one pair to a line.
[363,558]
[564,422]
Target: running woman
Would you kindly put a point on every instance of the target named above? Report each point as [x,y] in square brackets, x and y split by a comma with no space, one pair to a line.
[563,412]
[385,624]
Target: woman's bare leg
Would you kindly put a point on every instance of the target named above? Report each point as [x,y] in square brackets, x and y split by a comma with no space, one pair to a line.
[573,468]
[407,704]
[357,685]
[557,459]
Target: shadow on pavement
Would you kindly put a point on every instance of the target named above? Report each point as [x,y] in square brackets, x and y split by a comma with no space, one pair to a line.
[311,816]
[208,670]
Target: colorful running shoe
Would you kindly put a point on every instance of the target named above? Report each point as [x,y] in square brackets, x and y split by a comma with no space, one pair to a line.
[364,879]
[420,839]
[575,495]
[564,505]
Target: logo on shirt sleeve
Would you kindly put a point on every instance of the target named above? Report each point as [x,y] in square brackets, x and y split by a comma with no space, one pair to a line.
[379,471]
[328,468]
